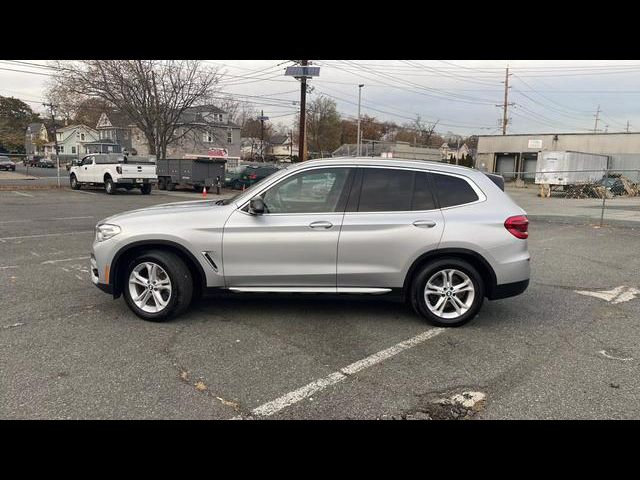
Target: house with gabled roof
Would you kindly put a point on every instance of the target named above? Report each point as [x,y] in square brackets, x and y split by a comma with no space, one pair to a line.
[201,129]
[35,138]
[71,141]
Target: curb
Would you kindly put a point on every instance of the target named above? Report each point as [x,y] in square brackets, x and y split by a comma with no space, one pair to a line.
[29,187]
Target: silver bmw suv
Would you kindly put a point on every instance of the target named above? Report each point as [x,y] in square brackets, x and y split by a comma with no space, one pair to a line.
[443,236]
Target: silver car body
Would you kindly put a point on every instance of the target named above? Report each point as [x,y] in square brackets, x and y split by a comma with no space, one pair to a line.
[356,252]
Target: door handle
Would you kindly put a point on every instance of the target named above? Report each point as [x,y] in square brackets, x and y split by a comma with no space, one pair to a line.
[424,223]
[323,224]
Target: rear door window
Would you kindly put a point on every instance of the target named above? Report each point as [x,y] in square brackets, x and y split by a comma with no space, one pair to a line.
[452,191]
[386,190]
[422,193]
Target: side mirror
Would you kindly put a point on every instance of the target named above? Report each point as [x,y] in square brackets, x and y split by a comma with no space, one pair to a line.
[256,206]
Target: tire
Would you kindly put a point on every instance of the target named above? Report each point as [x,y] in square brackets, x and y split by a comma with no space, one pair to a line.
[472,299]
[180,291]
[146,189]
[198,188]
[171,186]
[162,184]
[237,186]
[109,186]
[73,181]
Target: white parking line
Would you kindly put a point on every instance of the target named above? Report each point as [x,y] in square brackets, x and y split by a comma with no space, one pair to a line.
[14,221]
[8,266]
[2,239]
[301,393]
[64,260]
[23,194]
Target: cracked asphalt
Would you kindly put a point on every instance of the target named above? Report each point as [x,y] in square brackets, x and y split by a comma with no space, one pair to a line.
[67,350]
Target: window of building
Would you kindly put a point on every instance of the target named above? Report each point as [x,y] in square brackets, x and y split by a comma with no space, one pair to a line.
[60,148]
[73,149]
[81,138]
[229,136]
[208,137]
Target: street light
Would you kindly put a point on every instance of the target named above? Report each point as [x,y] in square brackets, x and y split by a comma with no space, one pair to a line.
[359,100]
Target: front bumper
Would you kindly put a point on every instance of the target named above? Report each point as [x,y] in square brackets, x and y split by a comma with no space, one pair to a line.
[95,276]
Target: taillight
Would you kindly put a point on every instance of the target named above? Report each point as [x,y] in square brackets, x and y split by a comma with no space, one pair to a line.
[119,169]
[518,226]
[253,176]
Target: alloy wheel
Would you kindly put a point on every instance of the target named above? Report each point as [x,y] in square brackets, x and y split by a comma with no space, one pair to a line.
[150,287]
[449,293]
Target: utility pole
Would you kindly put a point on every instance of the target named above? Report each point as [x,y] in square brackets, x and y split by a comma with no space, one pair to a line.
[627,126]
[262,118]
[505,105]
[303,110]
[55,137]
[359,100]
[262,133]
[597,115]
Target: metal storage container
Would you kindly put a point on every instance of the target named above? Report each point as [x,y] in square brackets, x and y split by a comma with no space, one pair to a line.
[568,168]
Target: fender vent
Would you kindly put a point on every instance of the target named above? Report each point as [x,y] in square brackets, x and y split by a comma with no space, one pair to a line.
[210,260]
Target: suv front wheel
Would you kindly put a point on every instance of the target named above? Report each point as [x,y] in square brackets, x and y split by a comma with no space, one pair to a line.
[447,292]
[157,285]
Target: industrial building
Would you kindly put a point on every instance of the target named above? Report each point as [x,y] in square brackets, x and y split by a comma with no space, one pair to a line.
[507,154]
[390,150]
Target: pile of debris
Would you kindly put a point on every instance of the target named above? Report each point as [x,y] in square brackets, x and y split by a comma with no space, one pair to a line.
[609,187]
[586,190]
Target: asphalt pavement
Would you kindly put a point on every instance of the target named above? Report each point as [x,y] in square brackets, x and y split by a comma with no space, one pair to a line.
[68,350]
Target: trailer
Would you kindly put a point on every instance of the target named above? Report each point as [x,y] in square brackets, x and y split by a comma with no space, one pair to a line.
[195,172]
[570,168]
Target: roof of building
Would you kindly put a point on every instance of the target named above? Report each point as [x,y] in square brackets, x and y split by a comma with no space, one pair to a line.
[278,139]
[206,108]
[552,133]
[117,120]
[73,127]
[193,116]
[35,127]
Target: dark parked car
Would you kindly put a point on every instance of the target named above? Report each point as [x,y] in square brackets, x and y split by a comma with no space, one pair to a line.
[45,163]
[253,174]
[7,164]
[232,176]
[32,162]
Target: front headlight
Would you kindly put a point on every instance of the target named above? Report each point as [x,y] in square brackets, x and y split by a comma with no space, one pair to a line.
[105,231]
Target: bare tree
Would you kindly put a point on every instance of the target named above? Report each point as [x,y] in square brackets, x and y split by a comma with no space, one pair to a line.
[154,94]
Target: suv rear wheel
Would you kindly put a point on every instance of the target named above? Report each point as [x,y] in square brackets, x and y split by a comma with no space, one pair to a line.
[447,292]
[157,286]
[146,189]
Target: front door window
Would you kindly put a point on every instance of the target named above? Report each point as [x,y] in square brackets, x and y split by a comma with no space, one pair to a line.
[314,191]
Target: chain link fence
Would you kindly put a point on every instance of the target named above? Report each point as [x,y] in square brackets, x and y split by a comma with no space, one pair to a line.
[594,185]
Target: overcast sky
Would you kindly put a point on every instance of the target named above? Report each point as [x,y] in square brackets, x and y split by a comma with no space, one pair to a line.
[549,96]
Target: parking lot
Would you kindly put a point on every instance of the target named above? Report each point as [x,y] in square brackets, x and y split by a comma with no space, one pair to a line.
[568,348]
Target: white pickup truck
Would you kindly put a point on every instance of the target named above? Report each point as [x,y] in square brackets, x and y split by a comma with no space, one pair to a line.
[114,171]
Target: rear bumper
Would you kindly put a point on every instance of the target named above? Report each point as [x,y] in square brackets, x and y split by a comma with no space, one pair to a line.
[132,181]
[507,290]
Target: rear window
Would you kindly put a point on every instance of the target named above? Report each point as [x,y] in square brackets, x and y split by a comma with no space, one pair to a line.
[453,191]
